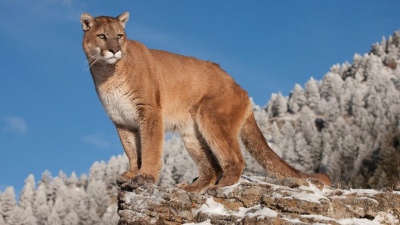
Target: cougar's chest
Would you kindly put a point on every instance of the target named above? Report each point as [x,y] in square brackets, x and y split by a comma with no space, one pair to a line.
[119,105]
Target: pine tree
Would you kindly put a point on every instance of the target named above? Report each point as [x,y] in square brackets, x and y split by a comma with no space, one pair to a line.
[40,206]
[82,182]
[297,99]
[2,222]
[326,154]
[62,176]
[29,218]
[93,216]
[277,106]
[97,196]
[331,86]
[304,158]
[58,212]
[97,171]
[17,216]
[111,216]
[312,94]
[112,171]
[72,218]
[306,126]
[287,144]
[275,132]
[46,177]
[72,181]
[8,203]
[27,193]
[82,209]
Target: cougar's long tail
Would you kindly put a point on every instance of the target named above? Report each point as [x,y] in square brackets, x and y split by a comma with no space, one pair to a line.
[259,149]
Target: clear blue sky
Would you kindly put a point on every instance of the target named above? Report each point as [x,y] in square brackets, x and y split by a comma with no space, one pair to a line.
[50,116]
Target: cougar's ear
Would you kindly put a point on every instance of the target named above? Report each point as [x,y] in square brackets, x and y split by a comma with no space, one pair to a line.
[123,18]
[87,21]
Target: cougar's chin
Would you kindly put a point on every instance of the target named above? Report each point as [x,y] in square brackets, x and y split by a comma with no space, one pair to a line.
[111,58]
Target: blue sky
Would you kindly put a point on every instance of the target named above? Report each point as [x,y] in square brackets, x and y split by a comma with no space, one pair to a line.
[50,116]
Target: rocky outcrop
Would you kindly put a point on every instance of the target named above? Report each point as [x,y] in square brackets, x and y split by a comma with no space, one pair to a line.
[253,201]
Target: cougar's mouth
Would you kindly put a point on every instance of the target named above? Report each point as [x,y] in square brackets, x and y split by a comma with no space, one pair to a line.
[112,58]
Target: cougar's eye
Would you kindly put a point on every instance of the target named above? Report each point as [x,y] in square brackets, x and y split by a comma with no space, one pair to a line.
[119,36]
[101,36]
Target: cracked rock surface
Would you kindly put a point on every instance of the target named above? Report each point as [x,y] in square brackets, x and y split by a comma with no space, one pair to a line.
[259,201]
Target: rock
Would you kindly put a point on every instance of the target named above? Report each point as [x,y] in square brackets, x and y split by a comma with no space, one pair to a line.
[259,201]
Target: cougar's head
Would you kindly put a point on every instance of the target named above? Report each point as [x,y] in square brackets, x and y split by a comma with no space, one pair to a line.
[104,38]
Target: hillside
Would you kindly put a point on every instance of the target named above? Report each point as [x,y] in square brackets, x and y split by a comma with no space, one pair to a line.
[346,125]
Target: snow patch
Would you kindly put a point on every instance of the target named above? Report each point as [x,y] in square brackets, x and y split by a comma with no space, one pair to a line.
[355,221]
[206,222]
[259,212]
[263,212]
[386,217]
[213,208]
[318,217]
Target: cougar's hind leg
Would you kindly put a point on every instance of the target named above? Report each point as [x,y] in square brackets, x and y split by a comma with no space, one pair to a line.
[222,138]
[208,167]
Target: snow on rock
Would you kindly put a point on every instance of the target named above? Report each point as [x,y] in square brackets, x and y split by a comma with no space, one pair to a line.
[260,201]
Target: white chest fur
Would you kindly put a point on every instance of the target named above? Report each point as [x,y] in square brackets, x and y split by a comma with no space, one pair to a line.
[119,106]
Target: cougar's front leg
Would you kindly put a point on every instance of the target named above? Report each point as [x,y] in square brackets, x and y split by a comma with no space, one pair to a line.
[130,140]
[151,138]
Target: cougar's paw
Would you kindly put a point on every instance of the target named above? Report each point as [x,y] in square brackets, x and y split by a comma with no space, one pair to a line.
[124,178]
[138,181]
[212,190]
[191,188]
[322,177]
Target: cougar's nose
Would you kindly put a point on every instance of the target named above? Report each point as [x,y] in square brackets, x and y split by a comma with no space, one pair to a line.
[114,50]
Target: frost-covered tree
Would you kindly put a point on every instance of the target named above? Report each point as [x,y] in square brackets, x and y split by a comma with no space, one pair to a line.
[97,171]
[17,216]
[303,153]
[97,196]
[2,222]
[355,105]
[58,212]
[46,177]
[92,216]
[112,171]
[29,217]
[27,194]
[40,206]
[72,181]
[276,135]
[287,144]
[312,94]
[297,99]
[332,86]
[62,176]
[111,216]
[72,218]
[8,203]
[277,105]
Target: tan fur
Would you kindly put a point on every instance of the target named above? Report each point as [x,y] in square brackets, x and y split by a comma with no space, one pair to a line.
[146,92]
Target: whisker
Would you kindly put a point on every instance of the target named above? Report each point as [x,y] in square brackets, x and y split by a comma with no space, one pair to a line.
[91,61]
[86,63]
[97,59]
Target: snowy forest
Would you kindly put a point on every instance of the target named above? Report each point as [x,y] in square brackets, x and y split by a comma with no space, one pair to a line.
[346,125]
